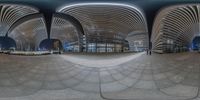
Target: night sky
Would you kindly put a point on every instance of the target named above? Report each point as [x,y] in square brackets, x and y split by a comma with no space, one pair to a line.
[6,42]
[196,43]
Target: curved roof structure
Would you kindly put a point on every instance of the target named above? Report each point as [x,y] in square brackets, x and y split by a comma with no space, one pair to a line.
[176,26]
[10,13]
[64,30]
[107,19]
[29,34]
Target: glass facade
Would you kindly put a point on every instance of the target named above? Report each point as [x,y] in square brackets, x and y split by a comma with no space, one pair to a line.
[105,47]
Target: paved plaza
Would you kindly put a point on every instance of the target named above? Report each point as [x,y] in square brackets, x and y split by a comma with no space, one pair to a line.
[134,76]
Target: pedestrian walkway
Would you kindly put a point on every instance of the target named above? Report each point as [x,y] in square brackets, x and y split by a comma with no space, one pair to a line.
[101,61]
[142,77]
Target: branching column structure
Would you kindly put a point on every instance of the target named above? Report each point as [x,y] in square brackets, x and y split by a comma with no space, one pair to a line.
[66,32]
[107,24]
[175,27]
[29,34]
[23,24]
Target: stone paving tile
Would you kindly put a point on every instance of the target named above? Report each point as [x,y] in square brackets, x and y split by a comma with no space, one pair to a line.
[53,77]
[159,77]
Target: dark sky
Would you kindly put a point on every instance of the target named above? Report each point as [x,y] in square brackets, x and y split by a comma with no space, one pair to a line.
[149,7]
[6,42]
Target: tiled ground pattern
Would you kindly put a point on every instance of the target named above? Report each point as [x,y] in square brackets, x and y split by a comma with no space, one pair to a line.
[50,77]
